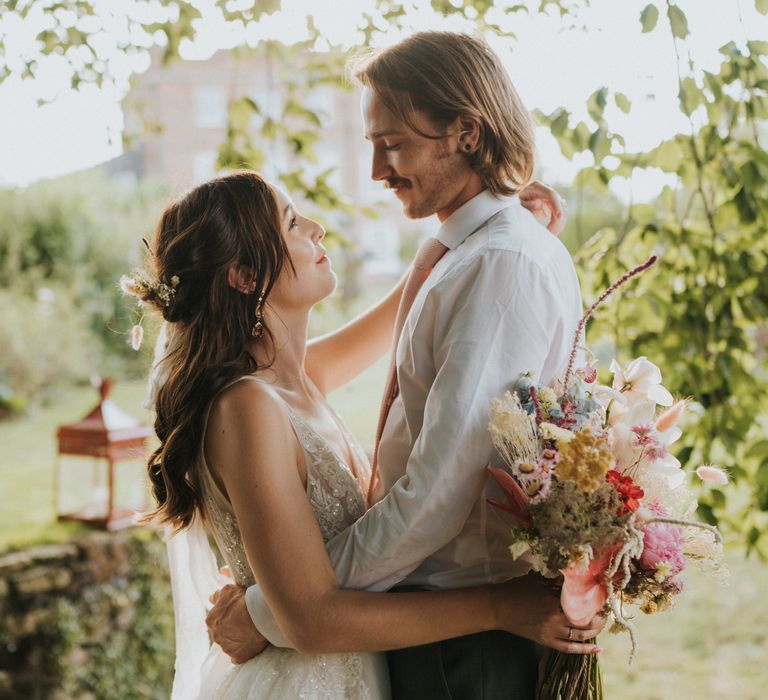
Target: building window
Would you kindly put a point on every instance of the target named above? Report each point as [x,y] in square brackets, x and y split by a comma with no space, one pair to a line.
[210,108]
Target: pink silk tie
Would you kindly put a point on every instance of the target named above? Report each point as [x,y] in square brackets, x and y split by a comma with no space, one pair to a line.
[426,258]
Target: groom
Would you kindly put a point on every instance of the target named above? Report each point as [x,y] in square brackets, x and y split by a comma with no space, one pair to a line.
[496,299]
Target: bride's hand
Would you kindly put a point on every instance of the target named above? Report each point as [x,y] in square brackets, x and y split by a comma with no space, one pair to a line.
[529,609]
[544,203]
[231,626]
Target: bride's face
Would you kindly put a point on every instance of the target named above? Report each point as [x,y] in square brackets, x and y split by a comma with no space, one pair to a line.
[314,279]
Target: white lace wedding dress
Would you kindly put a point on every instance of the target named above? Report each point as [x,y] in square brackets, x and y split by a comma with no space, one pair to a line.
[337,500]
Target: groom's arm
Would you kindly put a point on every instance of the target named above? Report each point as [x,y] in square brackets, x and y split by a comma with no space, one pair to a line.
[490,321]
[499,316]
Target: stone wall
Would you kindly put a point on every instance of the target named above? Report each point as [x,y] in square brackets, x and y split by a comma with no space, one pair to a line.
[88,620]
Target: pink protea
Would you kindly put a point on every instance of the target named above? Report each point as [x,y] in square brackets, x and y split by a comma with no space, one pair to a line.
[662,546]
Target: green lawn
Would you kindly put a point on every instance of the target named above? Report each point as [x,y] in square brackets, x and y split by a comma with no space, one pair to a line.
[712,645]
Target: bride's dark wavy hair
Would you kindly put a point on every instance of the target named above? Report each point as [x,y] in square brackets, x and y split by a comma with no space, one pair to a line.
[229,221]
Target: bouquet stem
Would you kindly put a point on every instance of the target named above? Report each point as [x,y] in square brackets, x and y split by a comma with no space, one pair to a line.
[570,677]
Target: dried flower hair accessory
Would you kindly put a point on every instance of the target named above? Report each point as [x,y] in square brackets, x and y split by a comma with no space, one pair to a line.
[137,335]
[139,284]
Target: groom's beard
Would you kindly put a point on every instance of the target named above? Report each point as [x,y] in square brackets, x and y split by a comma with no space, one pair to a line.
[438,180]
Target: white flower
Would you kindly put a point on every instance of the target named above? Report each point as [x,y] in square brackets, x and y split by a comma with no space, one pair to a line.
[518,549]
[605,394]
[669,467]
[630,455]
[641,380]
[623,446]
[128,285]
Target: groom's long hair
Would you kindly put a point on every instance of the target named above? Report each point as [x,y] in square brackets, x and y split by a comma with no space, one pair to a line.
[229,221]
[448,75]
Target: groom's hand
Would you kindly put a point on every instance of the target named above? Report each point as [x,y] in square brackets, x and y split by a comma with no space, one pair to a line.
[231,626]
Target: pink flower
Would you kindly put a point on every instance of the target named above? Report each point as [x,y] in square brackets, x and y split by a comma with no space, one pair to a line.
[662,547]
[548,460]
[642,431]
[589,374]
[584,590]
[712,475]
[650,441]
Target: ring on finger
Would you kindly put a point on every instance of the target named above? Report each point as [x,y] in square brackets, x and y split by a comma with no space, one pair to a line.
[570,634]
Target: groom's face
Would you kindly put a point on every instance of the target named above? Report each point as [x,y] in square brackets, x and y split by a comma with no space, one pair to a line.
[427,175]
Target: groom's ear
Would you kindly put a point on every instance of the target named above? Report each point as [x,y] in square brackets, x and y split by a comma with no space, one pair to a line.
[469,133]
[241,278]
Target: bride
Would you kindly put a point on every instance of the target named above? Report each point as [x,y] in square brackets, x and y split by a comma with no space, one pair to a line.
[250,449]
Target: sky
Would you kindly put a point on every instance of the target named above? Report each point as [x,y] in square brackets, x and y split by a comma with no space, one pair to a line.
[551,65]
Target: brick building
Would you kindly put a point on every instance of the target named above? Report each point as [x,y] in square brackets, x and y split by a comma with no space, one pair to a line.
[180,112]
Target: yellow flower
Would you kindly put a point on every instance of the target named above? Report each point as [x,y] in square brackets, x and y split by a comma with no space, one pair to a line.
[550,431]
[663,570]
[547,398]
[585,460]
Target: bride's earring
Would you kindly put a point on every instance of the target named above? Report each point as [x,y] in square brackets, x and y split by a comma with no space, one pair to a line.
[258,328]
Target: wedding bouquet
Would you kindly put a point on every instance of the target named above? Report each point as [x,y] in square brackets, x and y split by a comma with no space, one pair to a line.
[599,504]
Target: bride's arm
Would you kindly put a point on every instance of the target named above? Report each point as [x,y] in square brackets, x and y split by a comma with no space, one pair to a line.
[338,357]
[251,447]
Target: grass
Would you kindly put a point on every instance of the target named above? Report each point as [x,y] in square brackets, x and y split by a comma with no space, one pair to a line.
[712,645]
[27,466]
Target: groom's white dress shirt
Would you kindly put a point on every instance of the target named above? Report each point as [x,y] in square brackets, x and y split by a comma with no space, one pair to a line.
[502,301]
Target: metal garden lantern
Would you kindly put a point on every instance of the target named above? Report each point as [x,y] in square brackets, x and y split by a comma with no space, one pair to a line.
[108,435]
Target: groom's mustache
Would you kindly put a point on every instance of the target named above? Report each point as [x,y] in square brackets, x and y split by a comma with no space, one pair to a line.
[396,182]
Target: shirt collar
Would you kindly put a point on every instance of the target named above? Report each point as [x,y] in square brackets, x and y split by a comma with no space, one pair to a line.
[470,216]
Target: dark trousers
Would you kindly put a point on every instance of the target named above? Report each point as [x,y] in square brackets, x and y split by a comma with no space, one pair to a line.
[483,666]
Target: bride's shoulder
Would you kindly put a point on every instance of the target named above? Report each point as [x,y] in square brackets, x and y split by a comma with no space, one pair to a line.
[251,406]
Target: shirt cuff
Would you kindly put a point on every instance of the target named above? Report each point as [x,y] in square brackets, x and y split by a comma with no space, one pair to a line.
[263,619]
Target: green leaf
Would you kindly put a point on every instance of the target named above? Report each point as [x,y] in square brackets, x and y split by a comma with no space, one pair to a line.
[648,17]
[643,213]
[762,486]
[560,123]
[622,102]
[762,6]
[690,95]
[758,450]
[596,103]
[667,157]
[678,21]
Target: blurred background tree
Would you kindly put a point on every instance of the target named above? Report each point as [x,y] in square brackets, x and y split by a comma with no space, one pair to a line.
[62,316]
[700,314]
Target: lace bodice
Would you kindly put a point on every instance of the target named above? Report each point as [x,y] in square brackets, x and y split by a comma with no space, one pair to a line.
[334,493]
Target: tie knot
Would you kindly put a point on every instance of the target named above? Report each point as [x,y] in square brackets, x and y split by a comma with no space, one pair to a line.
[430,251]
